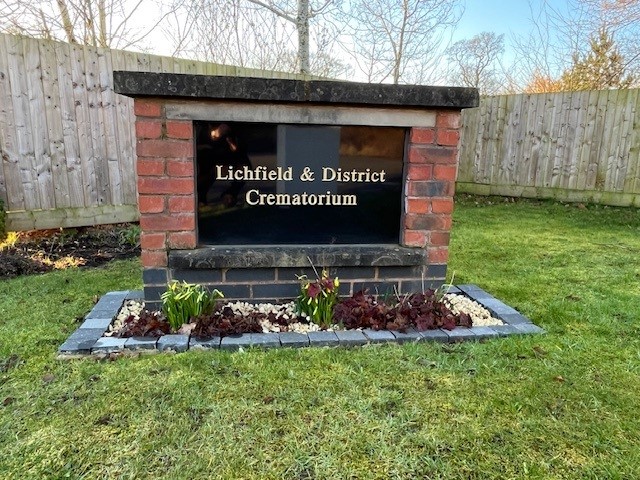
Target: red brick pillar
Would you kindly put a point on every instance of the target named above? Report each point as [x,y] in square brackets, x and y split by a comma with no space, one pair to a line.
[166,187]
[430,184]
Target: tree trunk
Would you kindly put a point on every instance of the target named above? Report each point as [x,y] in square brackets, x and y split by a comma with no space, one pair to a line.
[302,25]
[66,21]
[102,15]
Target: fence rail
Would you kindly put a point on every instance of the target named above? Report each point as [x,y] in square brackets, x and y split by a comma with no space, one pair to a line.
[574,146]
[67,141]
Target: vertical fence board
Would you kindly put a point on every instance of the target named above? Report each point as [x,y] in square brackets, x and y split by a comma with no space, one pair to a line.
[582,125]
[52,113]
[532,143]
[107,109]
[573,134]
[9,152]
[491,152]
[69,125]
[83,125]
[123,119]
[610,129]
[468,136]
[506,141]
[623,165]
[632,180]
[520,159]
[22,116]
[42,176]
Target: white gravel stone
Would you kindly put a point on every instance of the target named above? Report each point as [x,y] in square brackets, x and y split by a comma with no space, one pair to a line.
[130,307]
[480,316]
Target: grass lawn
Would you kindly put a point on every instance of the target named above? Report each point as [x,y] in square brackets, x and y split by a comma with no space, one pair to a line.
[562,405]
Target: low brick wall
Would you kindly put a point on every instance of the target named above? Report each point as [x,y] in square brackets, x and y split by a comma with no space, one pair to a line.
[166,107]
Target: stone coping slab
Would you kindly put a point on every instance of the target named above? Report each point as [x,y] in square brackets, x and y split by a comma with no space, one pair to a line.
[266,256]
[88,338]
[175,85]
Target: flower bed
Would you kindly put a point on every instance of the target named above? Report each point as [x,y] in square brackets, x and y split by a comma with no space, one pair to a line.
[90,337]
[420,311]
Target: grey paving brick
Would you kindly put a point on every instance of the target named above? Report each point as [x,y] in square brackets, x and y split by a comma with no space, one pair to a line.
[111,301]
[109,345]
[233,342]
[460,333]
[379,336]
[484,332]
[529,328]
[514,319]
[141,343]
[411,335]
[474,292]
[175,342]
[505,330]
[209,342]
[323,339]
[351,337]
[293,339]
[435,335]
[97,322]
[265,340]
[470,287]
[496,307]
[134,295]
[81,340]
[104,312]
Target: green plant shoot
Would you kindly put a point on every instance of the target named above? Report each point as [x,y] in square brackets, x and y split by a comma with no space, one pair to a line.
[183,301]
[318,298]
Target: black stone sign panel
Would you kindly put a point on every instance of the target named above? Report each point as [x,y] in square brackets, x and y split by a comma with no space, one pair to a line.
[268,184]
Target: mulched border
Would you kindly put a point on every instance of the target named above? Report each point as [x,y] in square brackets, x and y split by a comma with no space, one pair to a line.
[87,340]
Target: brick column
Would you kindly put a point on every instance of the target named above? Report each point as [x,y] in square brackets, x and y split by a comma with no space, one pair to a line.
[166,188]
[430,184]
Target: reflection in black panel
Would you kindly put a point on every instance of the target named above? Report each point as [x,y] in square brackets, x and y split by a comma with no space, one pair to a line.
[295,184]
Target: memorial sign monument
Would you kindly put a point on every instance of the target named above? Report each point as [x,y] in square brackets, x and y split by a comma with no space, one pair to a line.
[243,183]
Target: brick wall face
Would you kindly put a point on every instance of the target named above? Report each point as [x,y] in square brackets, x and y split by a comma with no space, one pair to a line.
[168,213]
[166,194]
[431,169]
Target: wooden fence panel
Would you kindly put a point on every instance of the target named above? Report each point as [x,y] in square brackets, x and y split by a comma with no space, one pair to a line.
[574,146]
[67,141]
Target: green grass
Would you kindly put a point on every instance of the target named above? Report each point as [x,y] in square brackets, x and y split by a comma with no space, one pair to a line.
[562,405]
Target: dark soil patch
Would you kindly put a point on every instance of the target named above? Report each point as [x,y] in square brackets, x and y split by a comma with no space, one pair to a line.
[45,250]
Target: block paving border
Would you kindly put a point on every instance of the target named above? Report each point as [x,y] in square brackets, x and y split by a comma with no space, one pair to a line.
[88,339]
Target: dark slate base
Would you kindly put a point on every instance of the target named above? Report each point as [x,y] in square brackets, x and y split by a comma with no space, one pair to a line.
[267,256]
[88,338]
